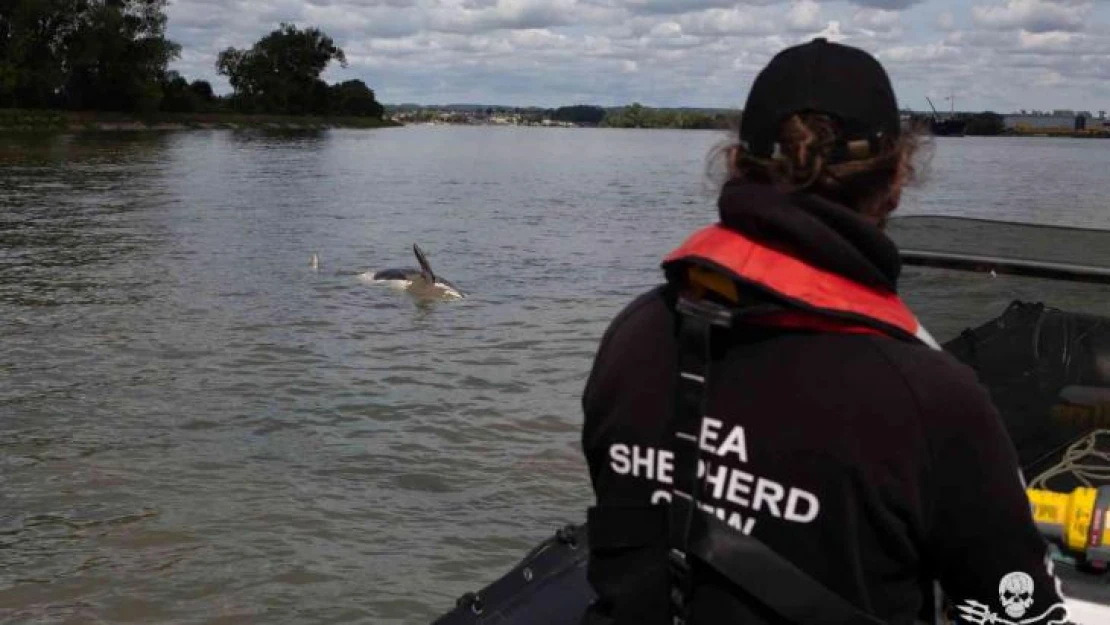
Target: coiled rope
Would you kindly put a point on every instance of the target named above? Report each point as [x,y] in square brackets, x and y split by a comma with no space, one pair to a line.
[1084,460]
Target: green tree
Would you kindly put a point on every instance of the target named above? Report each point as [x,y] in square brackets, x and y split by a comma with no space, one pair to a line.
[580,114]
[633,116]
[33,39]
[353,97]
[179,96]
[638,116]
[116,57]
[176,95]
[281,72]
[95,54]
[202,91]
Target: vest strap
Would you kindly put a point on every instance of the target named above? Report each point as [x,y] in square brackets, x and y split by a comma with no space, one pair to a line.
[740,558]
[770,578]
[695,325]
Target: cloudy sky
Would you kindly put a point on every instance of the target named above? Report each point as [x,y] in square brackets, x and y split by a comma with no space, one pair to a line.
[1002,55]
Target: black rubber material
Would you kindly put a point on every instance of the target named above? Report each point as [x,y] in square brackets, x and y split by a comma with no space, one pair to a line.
[548,587]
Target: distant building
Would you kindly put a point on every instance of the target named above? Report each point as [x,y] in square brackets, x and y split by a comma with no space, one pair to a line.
[1056,121]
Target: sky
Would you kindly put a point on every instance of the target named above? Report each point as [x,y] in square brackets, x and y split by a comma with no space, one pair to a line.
[1000,55]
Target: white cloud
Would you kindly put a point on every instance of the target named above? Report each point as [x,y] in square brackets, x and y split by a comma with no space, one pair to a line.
[928,53]
[877,20]
[672,7]
[539,39]
[1034,15]
[891,5]
[726,22]
[1048,79]
[1010,53]
[1059,41]
[505,14]
[667,30]
[832,32]
[804,15]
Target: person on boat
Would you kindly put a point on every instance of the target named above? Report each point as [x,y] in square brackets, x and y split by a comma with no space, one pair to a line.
[845,466]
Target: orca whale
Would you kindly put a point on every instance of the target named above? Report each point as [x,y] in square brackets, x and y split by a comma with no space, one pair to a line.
[422,282]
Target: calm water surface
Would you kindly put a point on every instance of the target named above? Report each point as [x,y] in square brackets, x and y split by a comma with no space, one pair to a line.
[197,427]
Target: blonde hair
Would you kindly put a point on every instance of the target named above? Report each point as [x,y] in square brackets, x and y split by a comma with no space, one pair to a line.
[869,184]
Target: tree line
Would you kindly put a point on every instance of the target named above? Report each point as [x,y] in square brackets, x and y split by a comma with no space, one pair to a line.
[636,115]
[113,55]
[640,116]
[633,116]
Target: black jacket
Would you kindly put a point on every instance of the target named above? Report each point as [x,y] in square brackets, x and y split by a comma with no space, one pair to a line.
[874,464]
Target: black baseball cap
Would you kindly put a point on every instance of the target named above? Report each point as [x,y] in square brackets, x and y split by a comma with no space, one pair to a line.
[843,82]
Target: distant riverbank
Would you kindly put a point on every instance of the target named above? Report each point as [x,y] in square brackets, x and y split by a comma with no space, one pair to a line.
[53,121]
[17,120]
[1096,133]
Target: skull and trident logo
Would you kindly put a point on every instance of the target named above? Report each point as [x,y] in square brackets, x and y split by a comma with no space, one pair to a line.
[1015,593]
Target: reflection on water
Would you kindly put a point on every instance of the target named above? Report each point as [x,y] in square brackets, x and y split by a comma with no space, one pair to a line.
[197,427]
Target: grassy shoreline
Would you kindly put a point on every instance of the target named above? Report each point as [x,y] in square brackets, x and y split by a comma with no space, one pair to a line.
[19,120]
[54,121]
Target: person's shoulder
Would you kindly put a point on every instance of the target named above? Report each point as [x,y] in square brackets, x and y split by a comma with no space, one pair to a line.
[646,319]
[650,311]
[643,322]
[943,387]
[918,359]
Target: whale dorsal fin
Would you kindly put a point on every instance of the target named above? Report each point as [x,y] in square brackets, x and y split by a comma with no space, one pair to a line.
[425,267]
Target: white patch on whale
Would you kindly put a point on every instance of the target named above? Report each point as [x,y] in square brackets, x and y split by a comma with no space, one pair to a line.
[420,283]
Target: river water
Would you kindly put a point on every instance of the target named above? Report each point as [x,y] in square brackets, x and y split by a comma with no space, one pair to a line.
[196,426]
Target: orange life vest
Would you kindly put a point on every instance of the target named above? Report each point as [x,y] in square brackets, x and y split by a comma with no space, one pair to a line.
[717,259]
